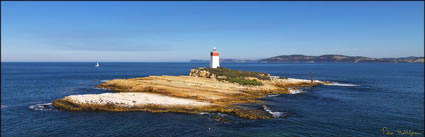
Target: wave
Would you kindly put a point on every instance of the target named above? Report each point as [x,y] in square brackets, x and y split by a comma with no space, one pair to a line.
[3,106]
[101,88]
[203,113]
[296,91]
[104,81]
[342,84]
[222,114]
[273,95]
[274,114]
[42,107]
[214,114]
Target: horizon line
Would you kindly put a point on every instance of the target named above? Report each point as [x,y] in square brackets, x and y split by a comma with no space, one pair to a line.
[226,58]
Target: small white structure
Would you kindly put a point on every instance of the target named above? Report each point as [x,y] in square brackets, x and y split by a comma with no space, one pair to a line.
[215,60]
[97,64]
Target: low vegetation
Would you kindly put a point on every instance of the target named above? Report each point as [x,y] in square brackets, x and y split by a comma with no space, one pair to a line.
[240,77]
[283,77]
[237,74]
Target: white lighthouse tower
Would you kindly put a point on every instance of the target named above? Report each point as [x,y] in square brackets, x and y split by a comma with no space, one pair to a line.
[215,60]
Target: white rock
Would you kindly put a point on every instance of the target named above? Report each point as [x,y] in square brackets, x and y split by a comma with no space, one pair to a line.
[132,98]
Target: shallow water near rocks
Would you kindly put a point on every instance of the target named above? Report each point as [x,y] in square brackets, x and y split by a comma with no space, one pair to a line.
[369,97]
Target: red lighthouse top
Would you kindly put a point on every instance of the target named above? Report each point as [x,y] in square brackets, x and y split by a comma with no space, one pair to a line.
[214,53]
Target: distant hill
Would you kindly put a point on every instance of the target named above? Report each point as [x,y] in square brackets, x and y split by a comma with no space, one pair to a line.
[322,58]
[225,61]
[339,59]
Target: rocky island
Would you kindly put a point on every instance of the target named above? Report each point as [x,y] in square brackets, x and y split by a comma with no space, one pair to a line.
[204,90]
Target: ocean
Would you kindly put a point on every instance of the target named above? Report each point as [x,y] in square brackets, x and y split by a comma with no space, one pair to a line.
[367,98]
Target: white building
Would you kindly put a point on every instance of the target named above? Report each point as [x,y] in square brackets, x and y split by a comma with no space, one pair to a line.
[215,60]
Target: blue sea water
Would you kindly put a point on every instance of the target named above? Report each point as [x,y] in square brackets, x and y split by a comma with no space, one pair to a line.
[370,96]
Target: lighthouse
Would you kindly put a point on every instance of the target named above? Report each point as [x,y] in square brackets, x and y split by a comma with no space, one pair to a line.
[215,61]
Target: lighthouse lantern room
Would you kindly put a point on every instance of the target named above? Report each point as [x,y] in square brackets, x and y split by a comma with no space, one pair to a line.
[215,61]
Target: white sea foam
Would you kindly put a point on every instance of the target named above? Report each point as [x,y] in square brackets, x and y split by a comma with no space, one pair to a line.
[273,95]
[274,114]
[342,84]
[42,107]
[104,80]
[296,91]
[222,114]
[100,88]
[203,113]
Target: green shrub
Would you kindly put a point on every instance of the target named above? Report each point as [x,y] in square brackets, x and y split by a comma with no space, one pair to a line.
[237,74]
[280,77]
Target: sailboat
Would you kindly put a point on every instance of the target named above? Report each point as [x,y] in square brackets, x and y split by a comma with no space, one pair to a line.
[97,64]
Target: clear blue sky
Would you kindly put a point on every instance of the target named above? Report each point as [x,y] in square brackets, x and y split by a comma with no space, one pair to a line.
[180,31]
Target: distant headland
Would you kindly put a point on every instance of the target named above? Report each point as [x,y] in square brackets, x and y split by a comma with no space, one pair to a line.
[322,59]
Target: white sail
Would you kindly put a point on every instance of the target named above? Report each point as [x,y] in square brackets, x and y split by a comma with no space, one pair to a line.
[97,64]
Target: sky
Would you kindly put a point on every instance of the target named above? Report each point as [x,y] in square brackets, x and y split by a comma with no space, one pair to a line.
[143,31]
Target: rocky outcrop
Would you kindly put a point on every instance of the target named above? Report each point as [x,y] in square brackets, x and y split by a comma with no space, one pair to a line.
[200,72]
[202,91]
